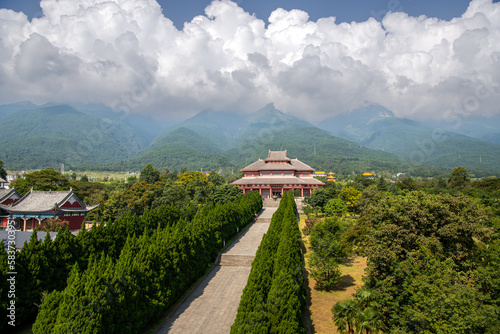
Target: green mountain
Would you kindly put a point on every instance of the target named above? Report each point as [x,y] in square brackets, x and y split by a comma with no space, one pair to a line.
[144,126]
[227,130]
[178,156]
[7,109]
[377,128]
[219,127]
[318,149]
[483,128]
[181,147]
[243,139]
[55,135]
[95,136]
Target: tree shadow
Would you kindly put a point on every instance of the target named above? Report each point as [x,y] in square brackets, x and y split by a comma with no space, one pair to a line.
[306,313]
[345,282]
[349,262]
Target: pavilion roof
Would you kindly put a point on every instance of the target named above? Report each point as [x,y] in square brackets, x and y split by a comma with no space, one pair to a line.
[6,193]
[301,166]
[277,160]
[46,201]
[2,180]
[277,180]
[277,156]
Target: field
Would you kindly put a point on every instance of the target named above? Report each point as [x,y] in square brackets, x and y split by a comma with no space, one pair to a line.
[92,175]
[321,302]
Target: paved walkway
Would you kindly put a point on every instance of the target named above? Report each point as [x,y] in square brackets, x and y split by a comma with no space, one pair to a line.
[211,307]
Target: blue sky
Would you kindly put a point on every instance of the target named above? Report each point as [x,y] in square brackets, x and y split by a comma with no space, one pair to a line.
[345,11]
[171,59]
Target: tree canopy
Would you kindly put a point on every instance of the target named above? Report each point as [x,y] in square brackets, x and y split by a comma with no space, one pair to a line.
[458,179]
[149,174]
[45,179]
[3,173]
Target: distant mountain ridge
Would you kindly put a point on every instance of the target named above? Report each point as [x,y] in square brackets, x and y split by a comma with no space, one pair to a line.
[243,139]
[95,136]
[377,128]
[227,129]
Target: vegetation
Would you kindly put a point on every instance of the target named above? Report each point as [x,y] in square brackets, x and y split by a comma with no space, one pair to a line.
[432,248]
[52,225]
[274,296]
[118,277]
[45,180]
[3,173]
[327,253]
[55,135]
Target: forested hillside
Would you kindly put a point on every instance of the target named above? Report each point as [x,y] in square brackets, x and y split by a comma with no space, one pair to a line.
[52,136]
[377,128]
[99,138]
[117,278]
[432,248]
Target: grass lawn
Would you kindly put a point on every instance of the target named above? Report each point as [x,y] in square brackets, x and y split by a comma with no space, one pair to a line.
[322,302]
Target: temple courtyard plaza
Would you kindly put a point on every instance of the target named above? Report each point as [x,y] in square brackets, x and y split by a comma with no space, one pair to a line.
[211,307]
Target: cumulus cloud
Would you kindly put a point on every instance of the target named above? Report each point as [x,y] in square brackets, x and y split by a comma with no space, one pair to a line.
[128,54]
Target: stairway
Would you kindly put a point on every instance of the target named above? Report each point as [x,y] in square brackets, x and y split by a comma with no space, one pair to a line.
[236,260]
[271,203]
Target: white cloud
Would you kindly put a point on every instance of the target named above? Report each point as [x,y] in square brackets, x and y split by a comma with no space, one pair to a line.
[126,53]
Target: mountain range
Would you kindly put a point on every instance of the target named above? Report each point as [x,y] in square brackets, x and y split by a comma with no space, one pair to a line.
[367,139]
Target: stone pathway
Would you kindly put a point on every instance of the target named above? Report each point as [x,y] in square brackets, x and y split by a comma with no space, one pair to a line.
[211,307]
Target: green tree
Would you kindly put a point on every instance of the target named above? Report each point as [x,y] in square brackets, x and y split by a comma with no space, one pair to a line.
[458,179]
[46,179]
[149,174]
[357,315]
[335,207]
[418,245]
[350,196]
[327,252]
[363,181]
[407,183]
[3,173]
[369,321]
[226,193]
[344,315]
[215,179]
[382,184]
[52,225]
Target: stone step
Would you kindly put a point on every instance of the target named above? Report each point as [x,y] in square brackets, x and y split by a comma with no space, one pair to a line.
[271,203]
[236,260]
[263,220]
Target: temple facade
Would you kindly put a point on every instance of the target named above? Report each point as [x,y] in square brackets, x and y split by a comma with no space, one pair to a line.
[29,211]
[277,174]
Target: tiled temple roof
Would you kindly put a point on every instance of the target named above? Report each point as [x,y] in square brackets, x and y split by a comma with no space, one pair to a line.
[277,156]
[277,180]
[277,160]
[6,193]
[46,201]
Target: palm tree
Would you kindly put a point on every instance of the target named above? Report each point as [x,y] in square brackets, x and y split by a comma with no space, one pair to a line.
[363,297]
[370,321]
[344,315]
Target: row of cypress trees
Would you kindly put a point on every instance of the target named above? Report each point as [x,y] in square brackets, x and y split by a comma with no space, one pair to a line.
[274,296]
[116,278]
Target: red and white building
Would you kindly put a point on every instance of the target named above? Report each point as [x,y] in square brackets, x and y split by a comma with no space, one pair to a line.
[277,174]
[30,210]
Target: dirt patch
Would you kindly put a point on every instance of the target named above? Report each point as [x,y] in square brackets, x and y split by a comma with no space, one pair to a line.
[321,302]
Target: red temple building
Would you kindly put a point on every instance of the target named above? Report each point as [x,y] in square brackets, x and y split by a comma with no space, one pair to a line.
[276,174]
[30,210]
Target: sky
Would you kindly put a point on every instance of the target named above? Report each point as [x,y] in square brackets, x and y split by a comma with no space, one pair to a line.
[313,59]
